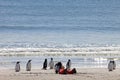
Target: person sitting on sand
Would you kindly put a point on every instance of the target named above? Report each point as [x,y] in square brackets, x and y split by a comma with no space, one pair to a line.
[51,64]
[62,70]
[28,66]
[17,67]
[45,64]
[67,71]
[73,71]
[59,68]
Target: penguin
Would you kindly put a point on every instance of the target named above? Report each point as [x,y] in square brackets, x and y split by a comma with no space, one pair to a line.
[51,64]
[45,64]
[110,66]
[17,67]
[28,66]
[58,66]
[68,65]
[114,65]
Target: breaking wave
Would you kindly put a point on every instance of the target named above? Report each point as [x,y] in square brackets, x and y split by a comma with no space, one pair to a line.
[107,52]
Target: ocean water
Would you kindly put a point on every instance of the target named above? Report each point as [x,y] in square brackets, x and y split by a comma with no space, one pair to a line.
[59,24]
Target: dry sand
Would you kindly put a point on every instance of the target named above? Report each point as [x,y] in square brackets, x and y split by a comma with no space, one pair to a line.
[82,74]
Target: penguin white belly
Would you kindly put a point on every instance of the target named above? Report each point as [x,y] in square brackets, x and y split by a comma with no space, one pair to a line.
[110,66]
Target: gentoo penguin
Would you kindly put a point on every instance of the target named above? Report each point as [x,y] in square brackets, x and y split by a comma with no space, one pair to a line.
[114,65]
[45,64]
[68,65]
[28,66]
[110,66]
[17,67]
[51,64]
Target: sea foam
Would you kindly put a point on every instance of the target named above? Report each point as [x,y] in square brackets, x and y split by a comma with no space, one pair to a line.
[107,52]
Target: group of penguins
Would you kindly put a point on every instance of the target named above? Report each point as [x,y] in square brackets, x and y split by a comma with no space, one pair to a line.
[28,66]
[111,65]
[45,64]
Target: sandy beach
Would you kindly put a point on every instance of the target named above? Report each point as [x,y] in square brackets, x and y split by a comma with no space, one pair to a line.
[82,74]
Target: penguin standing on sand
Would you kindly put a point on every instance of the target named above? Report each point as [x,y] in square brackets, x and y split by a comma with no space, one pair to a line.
[68,65]
[17,67]
[28,66]
[110,66]
[45,64]
[114,65]
[51,64]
